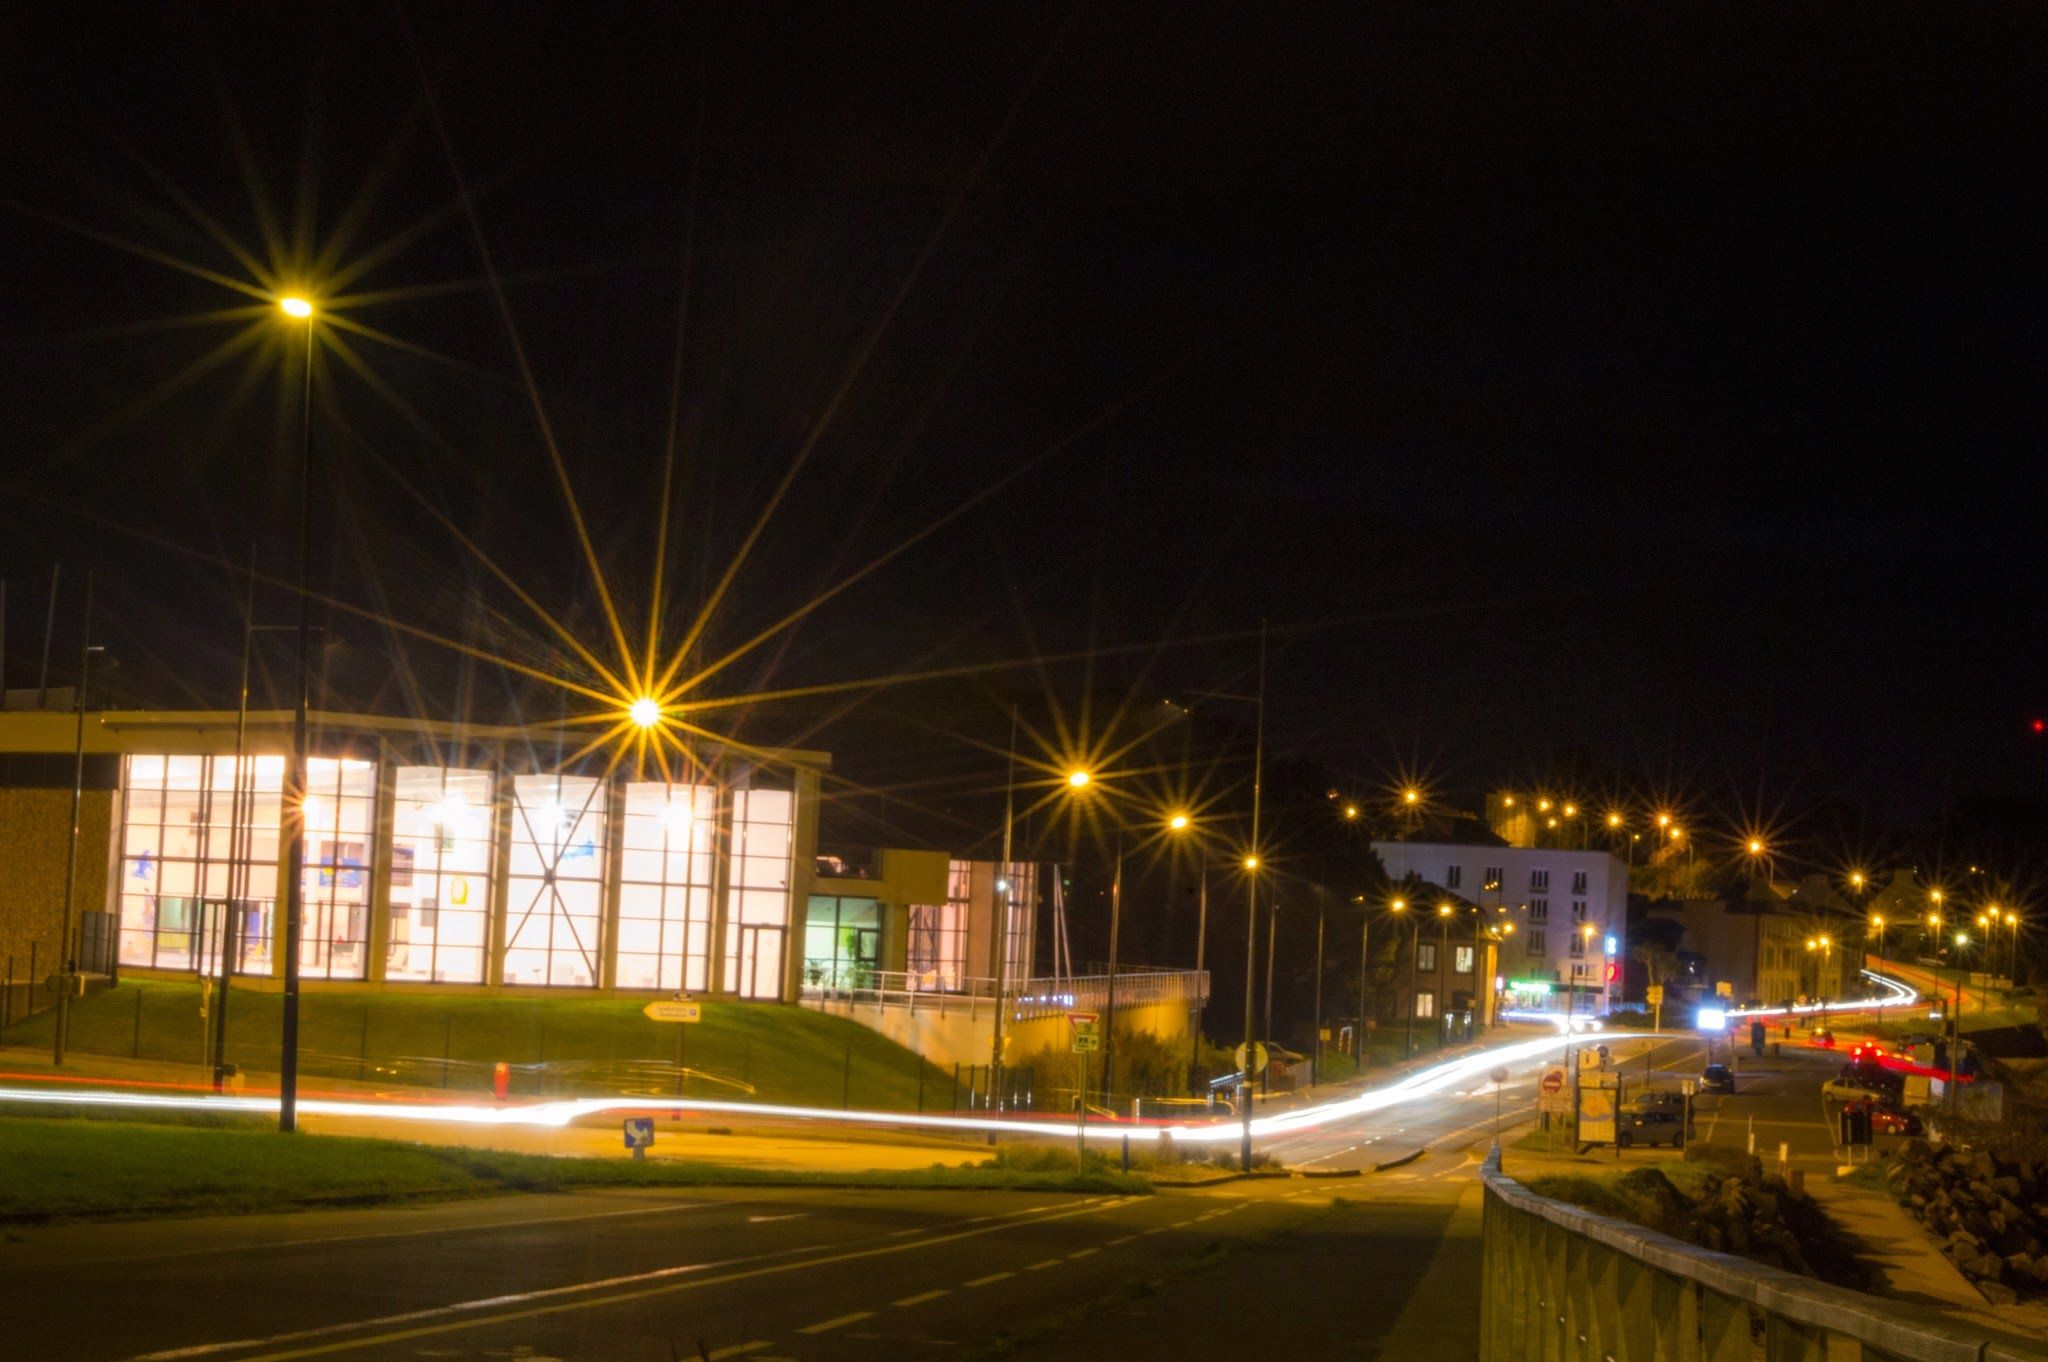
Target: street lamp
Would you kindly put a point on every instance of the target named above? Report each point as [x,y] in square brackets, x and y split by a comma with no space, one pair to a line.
[297,308]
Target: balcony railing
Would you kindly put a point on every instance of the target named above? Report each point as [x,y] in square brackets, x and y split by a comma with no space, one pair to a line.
[1560,1284]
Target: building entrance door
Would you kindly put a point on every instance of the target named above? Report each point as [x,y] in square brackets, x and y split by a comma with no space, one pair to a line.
[761,961]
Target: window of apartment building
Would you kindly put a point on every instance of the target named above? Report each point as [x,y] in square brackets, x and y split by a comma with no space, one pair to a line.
[1579,909]
[1578,881]
[1425,1004]
[1539,879]
[1578,944]
[1454,876]
[1461,959]
[1539,910]
[1494,878]
[1537,945]
[1425,956]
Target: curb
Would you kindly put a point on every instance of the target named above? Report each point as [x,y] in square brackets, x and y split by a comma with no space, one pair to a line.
[1401,1162]
[1330,1173]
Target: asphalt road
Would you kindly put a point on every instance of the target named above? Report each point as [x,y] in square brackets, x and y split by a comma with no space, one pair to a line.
[819,1274]
[630,1275]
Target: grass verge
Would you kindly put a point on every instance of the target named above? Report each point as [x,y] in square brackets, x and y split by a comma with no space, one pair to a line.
[555,1044]
[59,1168]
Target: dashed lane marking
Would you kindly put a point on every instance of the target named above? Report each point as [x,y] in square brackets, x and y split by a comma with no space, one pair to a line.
[992,1277]
[739,1350]
[1040,1267]
[839,1322]
[1083,1253]
[921,1297]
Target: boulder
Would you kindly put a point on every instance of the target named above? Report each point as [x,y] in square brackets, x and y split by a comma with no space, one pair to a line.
[1998,1293]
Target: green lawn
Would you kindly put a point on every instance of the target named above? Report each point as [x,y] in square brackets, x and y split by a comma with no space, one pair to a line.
[767,1051]
[58,1167]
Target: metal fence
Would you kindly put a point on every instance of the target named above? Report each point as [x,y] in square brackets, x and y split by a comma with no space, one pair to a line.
[1561,1284]
[1030,998]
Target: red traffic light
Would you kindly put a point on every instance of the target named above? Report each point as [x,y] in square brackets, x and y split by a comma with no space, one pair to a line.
[2040,725]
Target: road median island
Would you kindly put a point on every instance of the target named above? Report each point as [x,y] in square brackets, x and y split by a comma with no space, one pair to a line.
[59,1168]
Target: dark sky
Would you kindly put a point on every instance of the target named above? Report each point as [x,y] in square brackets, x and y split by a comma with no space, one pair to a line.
[1584,387]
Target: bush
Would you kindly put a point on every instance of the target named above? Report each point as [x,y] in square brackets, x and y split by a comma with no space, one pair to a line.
[1732,1162]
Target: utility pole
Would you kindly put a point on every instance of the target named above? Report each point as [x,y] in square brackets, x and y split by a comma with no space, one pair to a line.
[295,774]
[67,963]
[1201,963]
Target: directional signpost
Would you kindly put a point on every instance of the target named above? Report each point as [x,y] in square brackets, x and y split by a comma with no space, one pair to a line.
[1656,999]
[1087,1041]
[639,1135]
[683,1013]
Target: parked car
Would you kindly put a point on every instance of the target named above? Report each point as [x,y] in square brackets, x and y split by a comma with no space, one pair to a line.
[1886,1119]
[1854,1090]
[1662,1125]
[1662,1099]
[1717,1078]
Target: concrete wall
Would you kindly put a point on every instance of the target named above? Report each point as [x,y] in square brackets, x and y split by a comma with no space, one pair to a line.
[35,829]
[959,1035]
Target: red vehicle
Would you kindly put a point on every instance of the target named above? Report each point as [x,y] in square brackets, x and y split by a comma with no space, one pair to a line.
[1887,1120]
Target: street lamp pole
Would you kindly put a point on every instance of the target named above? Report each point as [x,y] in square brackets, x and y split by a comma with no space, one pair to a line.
[67,966]
[1002,919]
[1116,918]
[1251,933]
[1364,961]
[1316,1054]
[295,769]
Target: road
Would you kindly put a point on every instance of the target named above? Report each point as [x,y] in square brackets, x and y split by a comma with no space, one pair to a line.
[848,1274]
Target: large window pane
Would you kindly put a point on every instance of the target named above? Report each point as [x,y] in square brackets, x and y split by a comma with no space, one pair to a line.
[671,832]
[554,918]
[190,848]
[757,902]
[442,839]
[340,814]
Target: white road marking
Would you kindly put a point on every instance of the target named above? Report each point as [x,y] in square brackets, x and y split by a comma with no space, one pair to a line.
[992,1277]
[1083,1253]
[827,1325]
[738,1350]
[922,1297]
[1040,1267]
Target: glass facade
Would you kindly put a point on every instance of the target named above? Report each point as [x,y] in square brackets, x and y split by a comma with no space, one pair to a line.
[666,864]
[464,875]
[194,840]
[757,900]
[842,941]
[443,843]
[555,885]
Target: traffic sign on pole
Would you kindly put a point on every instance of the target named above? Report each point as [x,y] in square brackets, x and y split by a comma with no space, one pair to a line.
[674,1012]
[1259,1059]
[1087,1032]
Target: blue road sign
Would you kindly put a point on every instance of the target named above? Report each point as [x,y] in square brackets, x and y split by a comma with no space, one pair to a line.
[639,1132]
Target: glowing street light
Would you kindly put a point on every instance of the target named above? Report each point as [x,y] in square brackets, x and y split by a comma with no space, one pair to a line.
[1078,779]
[1755,846]
[1351,811]
[1614,820]
[1663,820]
[296,307]
[1411,796]
[1178,823]
[645,712]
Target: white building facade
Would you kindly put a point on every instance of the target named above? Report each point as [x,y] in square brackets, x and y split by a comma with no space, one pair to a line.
[1568,909]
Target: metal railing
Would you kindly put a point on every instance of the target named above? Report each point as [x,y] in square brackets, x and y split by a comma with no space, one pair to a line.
[1561,1284]
[1029,998]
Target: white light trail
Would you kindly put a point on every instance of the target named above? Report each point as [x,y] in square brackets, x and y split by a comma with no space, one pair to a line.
[560,1113]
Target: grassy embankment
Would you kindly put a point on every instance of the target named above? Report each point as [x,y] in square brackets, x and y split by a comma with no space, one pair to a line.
[555,1045]
[58,1167]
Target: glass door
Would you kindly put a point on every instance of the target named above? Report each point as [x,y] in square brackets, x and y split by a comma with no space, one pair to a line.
[760,961]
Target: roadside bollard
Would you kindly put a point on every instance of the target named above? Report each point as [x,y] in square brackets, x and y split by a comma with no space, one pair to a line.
[501,1079]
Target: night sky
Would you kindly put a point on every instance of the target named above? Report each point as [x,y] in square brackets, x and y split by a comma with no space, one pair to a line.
[1600,392]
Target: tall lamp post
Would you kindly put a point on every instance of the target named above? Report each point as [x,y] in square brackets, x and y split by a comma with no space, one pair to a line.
[1399,907]
[1443,966]
[298,309]
[67,965]
[1364,964]
[1002,923]
[1251,931]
